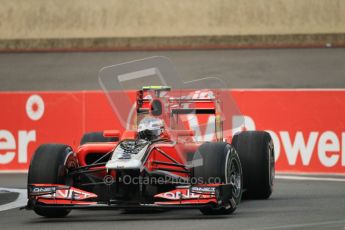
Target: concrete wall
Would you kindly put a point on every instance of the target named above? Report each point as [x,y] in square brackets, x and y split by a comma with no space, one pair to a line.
[58,19]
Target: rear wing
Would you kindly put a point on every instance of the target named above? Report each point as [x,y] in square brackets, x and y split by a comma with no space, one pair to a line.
[200,106]
[152,102]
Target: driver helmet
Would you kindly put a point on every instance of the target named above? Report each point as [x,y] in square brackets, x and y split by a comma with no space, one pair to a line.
[150,128]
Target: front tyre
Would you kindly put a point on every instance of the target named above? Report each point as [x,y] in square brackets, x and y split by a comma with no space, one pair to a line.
[219,161]
[256,151]
[50,165]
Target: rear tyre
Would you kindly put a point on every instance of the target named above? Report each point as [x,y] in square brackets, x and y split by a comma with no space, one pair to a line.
[96,137]
[50,165]
[256,152]
[220,161]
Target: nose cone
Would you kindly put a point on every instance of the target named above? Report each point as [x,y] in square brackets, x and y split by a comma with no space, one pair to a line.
[123,164]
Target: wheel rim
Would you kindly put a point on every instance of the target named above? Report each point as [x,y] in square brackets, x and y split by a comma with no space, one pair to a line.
[234,177]
[271,164]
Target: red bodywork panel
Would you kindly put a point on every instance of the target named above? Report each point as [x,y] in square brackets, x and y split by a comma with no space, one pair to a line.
[176,154]
[100,148]
[155,160]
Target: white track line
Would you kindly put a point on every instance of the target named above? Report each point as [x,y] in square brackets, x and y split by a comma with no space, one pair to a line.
[13,171]
[19,202]
[305,225]
[306,178]
[286,89]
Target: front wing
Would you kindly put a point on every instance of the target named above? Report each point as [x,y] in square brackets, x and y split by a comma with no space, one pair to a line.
[187,197]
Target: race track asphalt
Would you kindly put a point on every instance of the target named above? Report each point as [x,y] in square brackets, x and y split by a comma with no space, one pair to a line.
[272,68]
[295,204]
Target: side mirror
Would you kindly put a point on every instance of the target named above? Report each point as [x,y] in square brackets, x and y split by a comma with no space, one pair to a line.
[112,133]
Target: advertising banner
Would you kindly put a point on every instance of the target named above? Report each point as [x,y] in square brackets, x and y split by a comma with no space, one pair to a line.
[307,126]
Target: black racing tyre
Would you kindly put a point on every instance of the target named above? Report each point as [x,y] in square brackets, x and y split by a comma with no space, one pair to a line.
[96,137]
[219,160]
[256,152]
[49,165]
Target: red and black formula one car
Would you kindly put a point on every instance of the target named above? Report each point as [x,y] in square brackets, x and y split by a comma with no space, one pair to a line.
[158,160]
